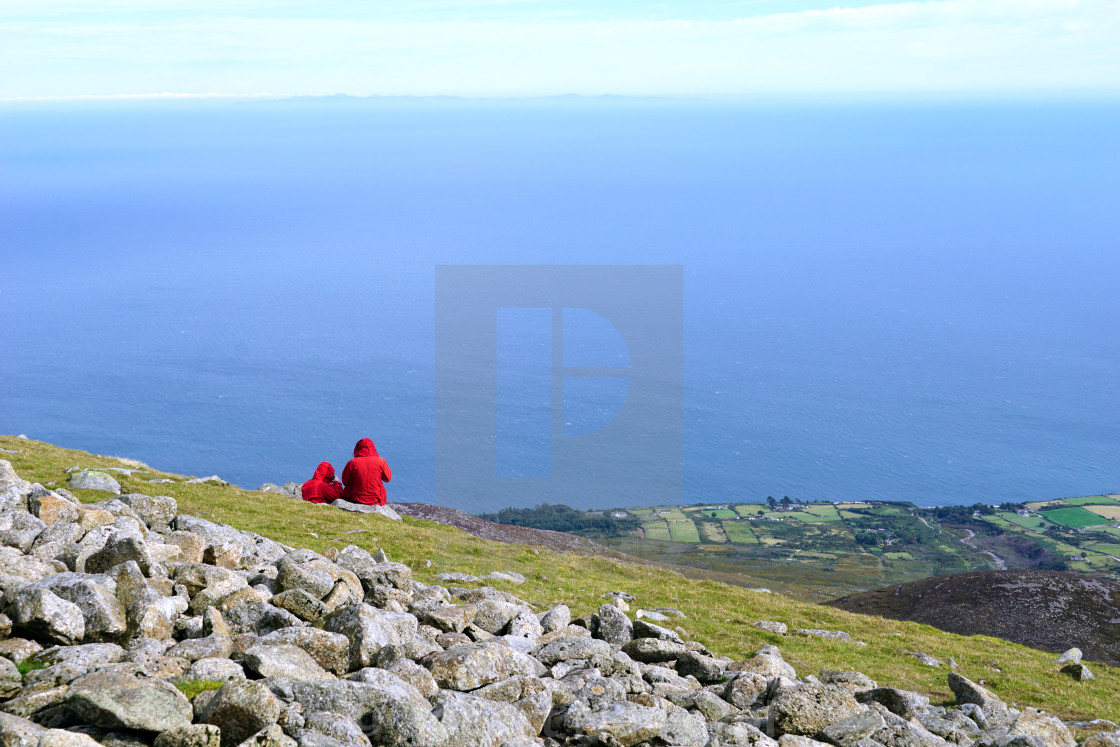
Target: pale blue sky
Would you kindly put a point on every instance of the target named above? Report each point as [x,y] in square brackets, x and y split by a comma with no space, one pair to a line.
[74,48]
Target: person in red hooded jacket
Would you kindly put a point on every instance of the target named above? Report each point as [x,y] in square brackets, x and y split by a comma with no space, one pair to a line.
[365,475]
[322,487]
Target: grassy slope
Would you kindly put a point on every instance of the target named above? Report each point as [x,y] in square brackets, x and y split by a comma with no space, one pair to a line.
[719,615]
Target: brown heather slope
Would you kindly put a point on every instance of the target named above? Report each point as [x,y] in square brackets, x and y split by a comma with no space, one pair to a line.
[1048,610]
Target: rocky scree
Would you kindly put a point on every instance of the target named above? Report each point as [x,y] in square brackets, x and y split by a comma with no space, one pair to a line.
[127,624]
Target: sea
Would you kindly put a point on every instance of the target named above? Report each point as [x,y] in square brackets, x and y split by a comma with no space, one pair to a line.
[895,298]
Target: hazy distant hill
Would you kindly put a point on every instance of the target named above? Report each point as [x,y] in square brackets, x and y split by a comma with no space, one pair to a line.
[1049,610]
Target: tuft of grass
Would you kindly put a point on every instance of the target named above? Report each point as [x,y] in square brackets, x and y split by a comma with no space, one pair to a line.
[192,686]
[27,665]
[720,615]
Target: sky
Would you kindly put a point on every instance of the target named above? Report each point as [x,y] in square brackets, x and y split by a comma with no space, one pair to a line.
[520,48]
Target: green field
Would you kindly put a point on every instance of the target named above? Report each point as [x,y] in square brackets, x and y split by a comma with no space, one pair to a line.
[739,533]
[657,531]
[719,513]
[1074,517]
[749,509]
[819,512]
[1109,549]
[683,531]
[1034,523]
[1091,500]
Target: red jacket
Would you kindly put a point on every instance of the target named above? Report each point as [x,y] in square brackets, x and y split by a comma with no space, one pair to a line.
[365,474]
[320,489]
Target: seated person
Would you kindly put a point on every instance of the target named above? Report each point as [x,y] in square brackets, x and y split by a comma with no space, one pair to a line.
[322,488]
[365,475]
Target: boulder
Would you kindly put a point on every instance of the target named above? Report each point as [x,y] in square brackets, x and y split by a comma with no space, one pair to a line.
[614,626]
[240,709]
[470,666]
[41,614]
[806,711]
[967,691]
[653,650]
[153,510]
[331,651]
[389,711]
[628,723]
[472,721]
[1049,729]
[113,700]
[195,735]
[904,703]
[369,629]
[337,727]
[92,479]
[282,660]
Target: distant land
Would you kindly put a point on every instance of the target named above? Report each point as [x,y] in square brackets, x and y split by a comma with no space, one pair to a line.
[823,550]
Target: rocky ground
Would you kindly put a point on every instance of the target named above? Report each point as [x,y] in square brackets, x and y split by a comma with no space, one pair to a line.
[127,624]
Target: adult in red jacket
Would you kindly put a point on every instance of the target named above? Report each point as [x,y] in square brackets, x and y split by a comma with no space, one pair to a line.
[322,487]
[365,474]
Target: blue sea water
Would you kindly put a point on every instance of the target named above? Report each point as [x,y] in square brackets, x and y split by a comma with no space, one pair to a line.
[892,300]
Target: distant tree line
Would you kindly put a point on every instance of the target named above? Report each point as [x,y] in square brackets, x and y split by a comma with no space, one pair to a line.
[561,518]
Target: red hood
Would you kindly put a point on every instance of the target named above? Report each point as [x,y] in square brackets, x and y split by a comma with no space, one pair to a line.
[324,471]
[365,447]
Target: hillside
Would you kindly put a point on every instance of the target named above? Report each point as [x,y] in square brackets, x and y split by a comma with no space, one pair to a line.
[1048,610]
[720,616]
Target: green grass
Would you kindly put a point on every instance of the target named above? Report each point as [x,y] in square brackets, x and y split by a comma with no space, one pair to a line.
[192,686]
[820,512]
[720,615]
[1090,500]
[683,531]
[1035,523]
[28,665]
[1110,549]
[718,513]
[749,509]
[657,531]
[1074,517]
[739,533]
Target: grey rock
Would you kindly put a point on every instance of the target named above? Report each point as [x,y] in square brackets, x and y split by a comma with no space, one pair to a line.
[365,508]
[967,691]
[260,618]
[706,669]
[573,648]
[41,614]
[240,709]
[629,723]
[808,710]
[28,705]
[193,649]
[478,722]
[19,529]
[337,727]
[851,681]
[555,619]
[19,732]
[153,510]
[91,479]
[1079,672]
[368,629]
[645,629]
[745,690]
[493,615]
[904,703]
[473,665]
[1072,655]
[282,660]
[1049,729]
[11,681]
[836,635]
[653,650]
[112,700]
[331,651]
[301,604]
[766,664]
[415,675]
[195,735]
[852,729]
[217,669]
[389,711]
[270,736]
[458,578]
[65,738]
[614,626]
[448,618]
[510,576]
[771,626]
